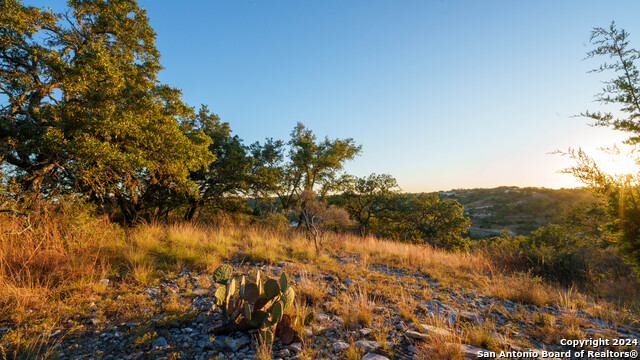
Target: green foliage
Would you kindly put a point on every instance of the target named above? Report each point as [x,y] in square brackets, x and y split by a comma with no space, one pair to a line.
[521,210]
[574,252]
[254,306]
[267,168]
[83,112]
[310,164]
[316,162]
[618,192]
[366,198]
[623,90]
[82,108]
[220,184]
[424,218]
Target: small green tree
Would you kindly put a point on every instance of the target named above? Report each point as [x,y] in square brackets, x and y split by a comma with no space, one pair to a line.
[301,163]
[266,170]
[366,197]
[424,218]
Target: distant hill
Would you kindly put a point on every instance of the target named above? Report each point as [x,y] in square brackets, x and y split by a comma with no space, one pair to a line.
[521,210]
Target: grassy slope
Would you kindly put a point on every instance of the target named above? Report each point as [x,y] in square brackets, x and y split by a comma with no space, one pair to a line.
[52,274]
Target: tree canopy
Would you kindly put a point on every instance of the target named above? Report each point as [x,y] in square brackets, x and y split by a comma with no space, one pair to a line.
[84,108]
[367,197]
[305,164]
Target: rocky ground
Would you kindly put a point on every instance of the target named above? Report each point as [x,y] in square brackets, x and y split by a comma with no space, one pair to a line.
[178,319]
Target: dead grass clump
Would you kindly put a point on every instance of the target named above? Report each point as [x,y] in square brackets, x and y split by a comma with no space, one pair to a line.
[354,308]
[170,247]
[407,255]
[484,336]
[263,349]
[437,349]
[407,307]
[521,288]
[310,292]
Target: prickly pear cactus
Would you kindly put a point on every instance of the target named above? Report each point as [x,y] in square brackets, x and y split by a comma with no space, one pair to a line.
[253,305]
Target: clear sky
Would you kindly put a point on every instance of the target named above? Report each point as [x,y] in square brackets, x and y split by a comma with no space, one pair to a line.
[441,94]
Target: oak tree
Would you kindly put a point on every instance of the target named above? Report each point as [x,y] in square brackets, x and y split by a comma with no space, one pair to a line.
[82,109]
[367,197]
[224,181]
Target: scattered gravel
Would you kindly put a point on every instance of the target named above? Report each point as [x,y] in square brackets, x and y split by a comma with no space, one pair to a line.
[194,339]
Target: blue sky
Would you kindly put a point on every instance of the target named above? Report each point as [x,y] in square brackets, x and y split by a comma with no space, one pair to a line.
[441,94]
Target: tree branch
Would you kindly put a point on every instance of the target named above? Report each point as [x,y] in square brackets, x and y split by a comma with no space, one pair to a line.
[14,213]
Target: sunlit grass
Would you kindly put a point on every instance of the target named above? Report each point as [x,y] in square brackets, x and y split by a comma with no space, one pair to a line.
[354,308]
[520,288]
[57,268]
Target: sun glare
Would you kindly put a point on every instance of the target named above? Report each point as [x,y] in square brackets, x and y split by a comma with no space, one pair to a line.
[617,164]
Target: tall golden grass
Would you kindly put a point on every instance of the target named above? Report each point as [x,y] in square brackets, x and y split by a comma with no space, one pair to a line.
[66,249]
[59,262]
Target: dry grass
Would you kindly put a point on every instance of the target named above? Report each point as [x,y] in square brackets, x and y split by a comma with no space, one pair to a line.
[67,249]
[353,353]
[263,349]
[309,291]
[552,330]
[355,308]
[42,347]
[441,346]
[407,308]
[55,269]
[520,288]
[485,336]
[410,256]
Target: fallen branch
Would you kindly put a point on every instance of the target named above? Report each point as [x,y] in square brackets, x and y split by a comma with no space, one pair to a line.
[15,213]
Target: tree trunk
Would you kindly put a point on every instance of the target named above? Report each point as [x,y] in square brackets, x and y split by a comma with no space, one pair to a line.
[32,183]
[191,211]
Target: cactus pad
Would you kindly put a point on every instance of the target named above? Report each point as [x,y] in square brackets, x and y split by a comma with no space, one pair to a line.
[251,293]
[247,311]
[271,289]
[284,282]
[276,312]
[241,288]
[288,297]
[258,318]
[220,295]
[222,274]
